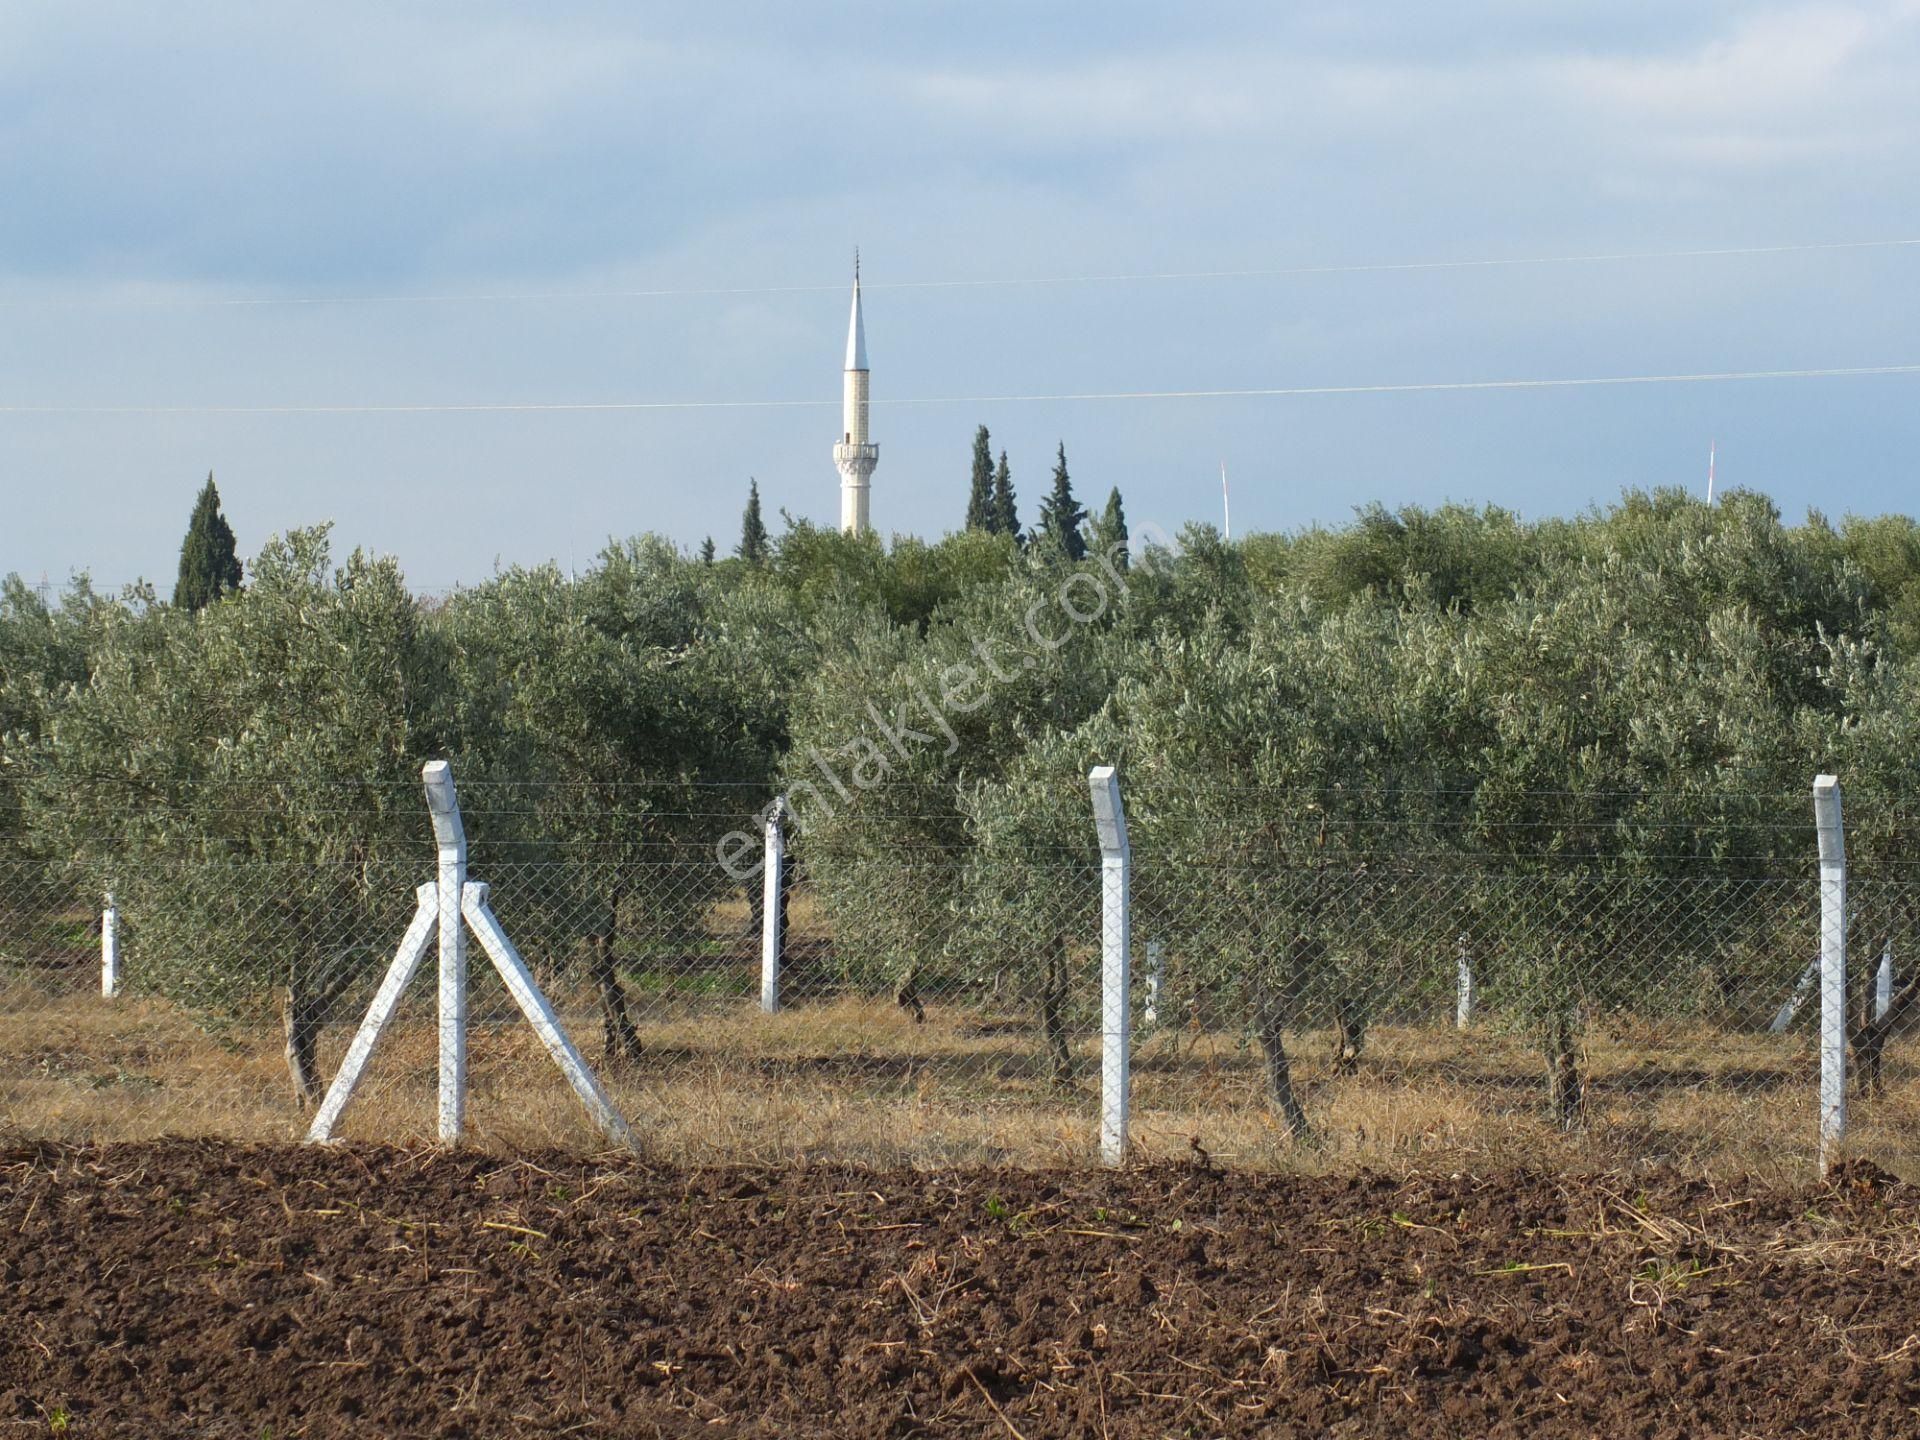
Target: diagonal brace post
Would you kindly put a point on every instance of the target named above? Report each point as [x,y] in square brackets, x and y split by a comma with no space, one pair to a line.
[406,961]
[533,1004]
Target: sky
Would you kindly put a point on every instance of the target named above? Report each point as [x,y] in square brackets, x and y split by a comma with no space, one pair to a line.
[304,212]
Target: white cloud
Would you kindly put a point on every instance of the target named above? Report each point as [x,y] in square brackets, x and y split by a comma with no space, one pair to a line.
[1104,101]
[499,72]
[1780,93]
[1794,60]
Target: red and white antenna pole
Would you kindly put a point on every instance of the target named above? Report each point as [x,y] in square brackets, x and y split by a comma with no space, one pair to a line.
[1226,507]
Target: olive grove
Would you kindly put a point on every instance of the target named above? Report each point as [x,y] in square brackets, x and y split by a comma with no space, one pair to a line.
[1560,716]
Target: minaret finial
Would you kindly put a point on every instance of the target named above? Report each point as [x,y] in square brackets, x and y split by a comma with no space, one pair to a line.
[856,264]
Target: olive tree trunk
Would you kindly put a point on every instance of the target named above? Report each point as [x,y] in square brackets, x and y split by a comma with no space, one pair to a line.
[1871,1033]
[1565,1089]
[300,1019]
[1272,1007]
[906,994]
[306,1004]
[620,1039]
[1349,1035]
[1277,1002]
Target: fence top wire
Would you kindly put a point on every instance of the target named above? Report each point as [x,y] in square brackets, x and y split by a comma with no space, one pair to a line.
[1189,822]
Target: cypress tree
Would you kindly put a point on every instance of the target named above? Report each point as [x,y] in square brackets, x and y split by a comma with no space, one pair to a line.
[1110,529]
[980,514]
[753,531]
[706,551]
[1006,512]
[1060,513]
[209,564]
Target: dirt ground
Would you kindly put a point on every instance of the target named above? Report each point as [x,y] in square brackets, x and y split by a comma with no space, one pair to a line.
[201,1288]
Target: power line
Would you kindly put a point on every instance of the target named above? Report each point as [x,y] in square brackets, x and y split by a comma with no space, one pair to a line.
[1063,397]
[1120,277]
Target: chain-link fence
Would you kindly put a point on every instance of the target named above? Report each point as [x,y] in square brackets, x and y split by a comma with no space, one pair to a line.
[940,1003]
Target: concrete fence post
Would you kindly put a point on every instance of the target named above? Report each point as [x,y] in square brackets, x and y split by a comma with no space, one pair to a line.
[773,879]
[110,949]
[450,839]
[1833,966]
[1116,944]
[471,908]
[1883,985]
[1463,990]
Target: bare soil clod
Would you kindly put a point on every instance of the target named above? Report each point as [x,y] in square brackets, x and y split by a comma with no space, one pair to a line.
[215,1289]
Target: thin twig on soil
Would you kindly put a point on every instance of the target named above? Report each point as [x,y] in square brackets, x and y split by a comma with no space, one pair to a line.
[1012,1429]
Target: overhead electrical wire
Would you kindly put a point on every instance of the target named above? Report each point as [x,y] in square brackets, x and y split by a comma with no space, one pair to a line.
[1059,397]
[1120,277]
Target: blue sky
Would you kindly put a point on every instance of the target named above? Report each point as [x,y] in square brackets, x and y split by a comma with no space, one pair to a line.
[160,161]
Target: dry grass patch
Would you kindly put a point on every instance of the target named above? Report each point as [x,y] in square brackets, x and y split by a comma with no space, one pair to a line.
[849,1079]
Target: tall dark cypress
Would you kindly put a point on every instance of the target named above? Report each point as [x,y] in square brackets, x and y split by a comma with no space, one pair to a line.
[1006,511]
[1060,513]
[980,514]
[1110,529]
[753,547]
[209,563]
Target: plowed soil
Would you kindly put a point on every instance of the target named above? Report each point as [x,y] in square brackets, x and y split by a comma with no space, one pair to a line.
[219,1290]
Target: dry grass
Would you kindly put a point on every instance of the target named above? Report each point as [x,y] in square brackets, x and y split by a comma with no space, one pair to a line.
[850,1080]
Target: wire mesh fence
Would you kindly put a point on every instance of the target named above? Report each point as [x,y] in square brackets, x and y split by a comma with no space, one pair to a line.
[940,1004]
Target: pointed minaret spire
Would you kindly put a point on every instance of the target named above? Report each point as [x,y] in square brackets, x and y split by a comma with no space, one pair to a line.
[856,327]
[855,456]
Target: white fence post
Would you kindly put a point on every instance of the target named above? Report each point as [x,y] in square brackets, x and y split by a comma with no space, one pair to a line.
[1883,985]
[1116,1017]
[470,908]
[1463,990]
[451,839]
[110,949]
[1833,966]
[1156,981]
[773,878]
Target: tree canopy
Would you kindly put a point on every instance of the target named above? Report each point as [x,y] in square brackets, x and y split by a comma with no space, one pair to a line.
[209,559]
[1006,508]
[1061,515]
[753,547]
[980,511]
[1303,720]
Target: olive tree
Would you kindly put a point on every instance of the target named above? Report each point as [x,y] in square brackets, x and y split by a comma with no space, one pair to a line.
[243,778]
[893,730]
[43,656]
[1642,742]
[1271,773]
[624,718]
[1031,895]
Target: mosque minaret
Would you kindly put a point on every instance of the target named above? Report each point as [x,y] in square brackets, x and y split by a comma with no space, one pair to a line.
[855,456]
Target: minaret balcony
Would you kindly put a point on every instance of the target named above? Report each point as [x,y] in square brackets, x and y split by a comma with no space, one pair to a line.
[856,454]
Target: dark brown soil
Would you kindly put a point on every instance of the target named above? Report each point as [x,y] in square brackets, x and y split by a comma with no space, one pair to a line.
[205,1289]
